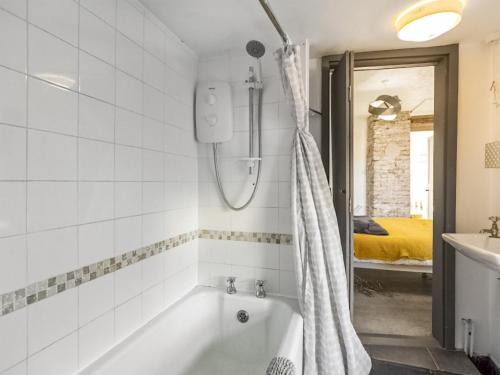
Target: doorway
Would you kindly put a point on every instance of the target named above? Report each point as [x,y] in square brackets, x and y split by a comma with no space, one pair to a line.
[430,199]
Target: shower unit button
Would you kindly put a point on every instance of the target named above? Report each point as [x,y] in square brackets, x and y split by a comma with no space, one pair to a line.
[214,112]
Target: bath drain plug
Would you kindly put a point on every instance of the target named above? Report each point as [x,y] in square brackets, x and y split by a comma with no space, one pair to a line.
[242,316]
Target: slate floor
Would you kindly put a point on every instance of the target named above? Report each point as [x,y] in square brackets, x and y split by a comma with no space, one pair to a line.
[399,357]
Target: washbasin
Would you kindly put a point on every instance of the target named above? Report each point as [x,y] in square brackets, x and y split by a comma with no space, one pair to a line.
[478,247]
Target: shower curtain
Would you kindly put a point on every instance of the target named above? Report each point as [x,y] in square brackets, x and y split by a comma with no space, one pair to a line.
[331,346]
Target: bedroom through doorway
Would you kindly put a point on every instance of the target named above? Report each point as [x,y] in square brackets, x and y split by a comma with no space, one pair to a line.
[392,200]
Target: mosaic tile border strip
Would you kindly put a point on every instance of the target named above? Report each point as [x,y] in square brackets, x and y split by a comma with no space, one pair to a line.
[492,155]
[271,238]
[41,290]
[38,291]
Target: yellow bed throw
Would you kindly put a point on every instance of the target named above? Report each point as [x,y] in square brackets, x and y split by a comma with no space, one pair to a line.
[408,239]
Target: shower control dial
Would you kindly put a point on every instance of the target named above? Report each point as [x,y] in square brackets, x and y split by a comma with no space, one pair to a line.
[211,99]
[211,119]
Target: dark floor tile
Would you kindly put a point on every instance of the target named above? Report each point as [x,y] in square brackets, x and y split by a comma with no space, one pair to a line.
[455,362]
[385,368]
[417,357]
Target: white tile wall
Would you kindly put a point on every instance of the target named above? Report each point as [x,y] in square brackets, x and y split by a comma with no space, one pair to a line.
[88,95]
[269,212]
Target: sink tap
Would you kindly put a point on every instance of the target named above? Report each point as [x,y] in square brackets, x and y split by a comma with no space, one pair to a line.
[493,231]
[231,288]
[259,289]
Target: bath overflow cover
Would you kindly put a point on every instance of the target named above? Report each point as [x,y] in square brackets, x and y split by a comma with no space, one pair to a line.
[242,316]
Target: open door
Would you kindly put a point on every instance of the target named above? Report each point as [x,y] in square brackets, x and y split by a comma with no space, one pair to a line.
[341,156]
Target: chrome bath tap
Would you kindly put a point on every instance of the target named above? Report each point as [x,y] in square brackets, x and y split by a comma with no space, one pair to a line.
[493,231]
[231,288]
[259,289]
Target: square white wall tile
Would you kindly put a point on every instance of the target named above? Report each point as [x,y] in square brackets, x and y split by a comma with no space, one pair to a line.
[127,283]
[128,163]
[59,17]
[13,331]
[95,201]
[59,358]
[52,319]
[52,108]
[129,56]
[13,265]
[129,92]
[153,71]
[153,197]
[12,97]
[152,165]
[12,42]
[95,338]
[95,298]
[153,103]
[97,78]
[152,134]
[128,198]
[152,272]
[51,253]
[97,37]
[51,156]
[51,205]
[154,39]
[153,228]
[95,242]
[128,318]
[128,234]
[12,153]
[130,21]
[153,302]
[97,119]
[52,59]
[12,208]
[128,128]
[96,160]
[105,9]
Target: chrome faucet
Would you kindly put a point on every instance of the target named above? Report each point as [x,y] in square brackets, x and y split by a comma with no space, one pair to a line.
[259,289]
[493,231]
[231,288]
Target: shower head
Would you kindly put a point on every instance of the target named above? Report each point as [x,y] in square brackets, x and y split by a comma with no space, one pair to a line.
[256,49]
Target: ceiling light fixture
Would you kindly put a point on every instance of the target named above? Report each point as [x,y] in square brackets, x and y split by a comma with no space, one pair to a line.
[429,19]
[385,107]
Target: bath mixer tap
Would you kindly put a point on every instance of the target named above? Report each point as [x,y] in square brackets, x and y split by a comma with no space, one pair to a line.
[493,231]
[231,288]
[259,289]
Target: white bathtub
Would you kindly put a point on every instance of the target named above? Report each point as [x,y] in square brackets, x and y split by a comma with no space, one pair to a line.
[200,335]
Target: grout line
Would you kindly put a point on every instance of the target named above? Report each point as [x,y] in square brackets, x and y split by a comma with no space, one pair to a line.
[26,176]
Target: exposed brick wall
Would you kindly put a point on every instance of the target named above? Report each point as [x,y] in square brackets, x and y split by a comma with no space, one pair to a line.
[388,167]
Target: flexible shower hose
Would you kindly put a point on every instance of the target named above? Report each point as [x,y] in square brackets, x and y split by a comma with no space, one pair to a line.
[216,159]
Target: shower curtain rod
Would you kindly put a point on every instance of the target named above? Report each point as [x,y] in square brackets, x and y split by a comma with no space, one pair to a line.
[275,22]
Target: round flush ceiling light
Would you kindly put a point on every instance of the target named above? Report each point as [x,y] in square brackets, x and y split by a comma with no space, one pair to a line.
[429,19]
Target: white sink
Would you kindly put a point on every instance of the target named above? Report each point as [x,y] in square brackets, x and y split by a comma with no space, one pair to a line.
[479,247]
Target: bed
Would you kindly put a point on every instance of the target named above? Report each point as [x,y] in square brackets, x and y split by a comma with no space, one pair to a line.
[407,247]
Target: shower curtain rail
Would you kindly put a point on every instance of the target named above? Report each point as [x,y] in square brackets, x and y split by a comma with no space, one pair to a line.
[274,21]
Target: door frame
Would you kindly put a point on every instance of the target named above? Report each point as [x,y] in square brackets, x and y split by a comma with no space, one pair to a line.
[445,60]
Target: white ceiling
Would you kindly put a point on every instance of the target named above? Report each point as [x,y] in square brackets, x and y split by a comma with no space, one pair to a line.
[414,86]
[332,26]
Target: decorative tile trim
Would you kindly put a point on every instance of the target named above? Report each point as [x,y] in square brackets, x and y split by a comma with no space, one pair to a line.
[38,291]
[492,155]
[271,238]
[41,290]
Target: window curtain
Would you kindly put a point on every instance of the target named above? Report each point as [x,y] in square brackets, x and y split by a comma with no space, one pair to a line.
[331,345]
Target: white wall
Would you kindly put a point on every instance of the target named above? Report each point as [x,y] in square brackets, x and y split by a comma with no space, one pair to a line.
[477,290]
[270,211]
[97,157]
